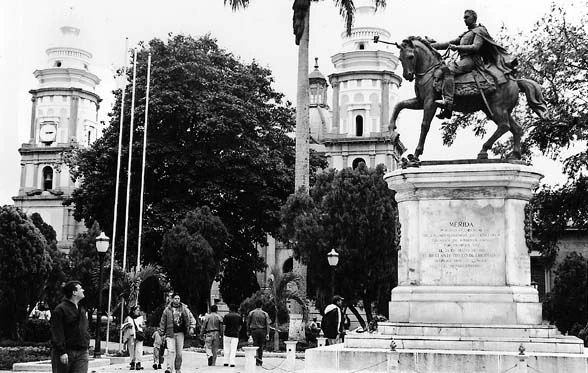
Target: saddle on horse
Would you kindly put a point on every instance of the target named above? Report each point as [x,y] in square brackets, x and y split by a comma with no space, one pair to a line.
[468,84]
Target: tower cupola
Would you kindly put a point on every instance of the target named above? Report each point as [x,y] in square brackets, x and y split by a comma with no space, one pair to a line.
[318,86]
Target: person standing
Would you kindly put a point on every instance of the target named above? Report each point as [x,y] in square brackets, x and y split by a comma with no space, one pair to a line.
[158,349]
[70,338]
[258,325]
[232,326]
[176,321]
[332,323]
[136,324]
[211,333]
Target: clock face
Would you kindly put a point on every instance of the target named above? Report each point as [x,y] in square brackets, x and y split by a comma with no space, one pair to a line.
[48,132]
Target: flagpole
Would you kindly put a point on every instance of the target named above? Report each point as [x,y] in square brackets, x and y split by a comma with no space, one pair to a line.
[128,202]
[115,213]
[144,159]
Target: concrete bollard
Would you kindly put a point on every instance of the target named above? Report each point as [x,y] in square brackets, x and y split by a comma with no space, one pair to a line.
[522,364]
[393,361]
[250,358]
[321,341]
[290,355]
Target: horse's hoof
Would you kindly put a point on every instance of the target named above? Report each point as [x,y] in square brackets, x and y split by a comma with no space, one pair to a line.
[482,155]
[516,156]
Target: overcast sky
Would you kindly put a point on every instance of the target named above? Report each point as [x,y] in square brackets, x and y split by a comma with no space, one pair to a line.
[262,32]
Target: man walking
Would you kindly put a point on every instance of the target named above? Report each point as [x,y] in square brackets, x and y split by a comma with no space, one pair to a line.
[232,325]
[258,323]
[332,323]
[176,321]
[70,338]
[211,332]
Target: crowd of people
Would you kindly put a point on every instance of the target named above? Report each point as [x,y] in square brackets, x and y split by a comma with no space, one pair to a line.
[70,338]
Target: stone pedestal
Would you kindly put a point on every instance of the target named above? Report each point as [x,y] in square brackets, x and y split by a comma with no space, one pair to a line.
[464,302]
[463,256]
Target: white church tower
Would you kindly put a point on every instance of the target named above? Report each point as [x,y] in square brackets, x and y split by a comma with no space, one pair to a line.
[364,88]
[64,115]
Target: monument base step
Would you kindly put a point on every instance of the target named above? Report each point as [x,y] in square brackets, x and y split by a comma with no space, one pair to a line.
[498,305]
[507,338]
[340,359]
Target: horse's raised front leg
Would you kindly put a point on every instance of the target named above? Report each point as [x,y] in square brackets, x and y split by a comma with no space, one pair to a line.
[413,104]
[429,109]
[501,119]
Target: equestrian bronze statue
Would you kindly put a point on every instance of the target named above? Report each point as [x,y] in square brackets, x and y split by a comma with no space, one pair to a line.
[482,78]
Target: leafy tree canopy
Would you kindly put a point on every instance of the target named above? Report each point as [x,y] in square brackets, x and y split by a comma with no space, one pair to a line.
[566,304]
[25,266]
[217,137]
[354,212]
[52,293]
[192,252]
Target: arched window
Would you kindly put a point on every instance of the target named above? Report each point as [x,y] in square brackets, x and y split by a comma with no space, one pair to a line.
[47,178]
[359,125]
[357,162]
[288,265]
[361,46]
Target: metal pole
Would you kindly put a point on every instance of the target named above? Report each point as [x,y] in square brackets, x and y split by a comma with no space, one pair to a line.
[332,282]
[97,349]
[114,221]
[143,165]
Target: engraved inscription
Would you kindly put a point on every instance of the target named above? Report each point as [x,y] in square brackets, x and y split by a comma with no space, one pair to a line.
[461,244]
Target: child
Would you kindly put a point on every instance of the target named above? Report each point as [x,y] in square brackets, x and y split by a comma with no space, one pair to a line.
[158,350]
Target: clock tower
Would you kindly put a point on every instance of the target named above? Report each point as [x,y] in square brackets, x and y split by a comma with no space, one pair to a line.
[64,116]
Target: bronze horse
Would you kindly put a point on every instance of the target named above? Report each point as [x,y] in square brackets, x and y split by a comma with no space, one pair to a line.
[419,62]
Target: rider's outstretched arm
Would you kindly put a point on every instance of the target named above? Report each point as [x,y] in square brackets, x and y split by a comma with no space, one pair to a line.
[444,45]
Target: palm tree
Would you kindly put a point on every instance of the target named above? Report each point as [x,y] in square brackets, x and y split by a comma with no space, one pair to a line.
[300,23]
[281,295]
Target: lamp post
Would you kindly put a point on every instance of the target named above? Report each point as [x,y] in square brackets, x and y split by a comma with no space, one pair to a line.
[102,243]
[333,258]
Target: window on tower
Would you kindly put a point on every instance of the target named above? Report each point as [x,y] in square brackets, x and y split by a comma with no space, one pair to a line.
[357,162]
[47,178]
[57,63]
[361,46]
[288,265]
[359,126]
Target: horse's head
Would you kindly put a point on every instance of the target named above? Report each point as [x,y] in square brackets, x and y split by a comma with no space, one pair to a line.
[408,59]
[417,56]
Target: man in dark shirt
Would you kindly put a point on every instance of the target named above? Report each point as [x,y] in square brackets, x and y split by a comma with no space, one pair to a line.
[232,324]
[332,323]
[258,323]
[70,338]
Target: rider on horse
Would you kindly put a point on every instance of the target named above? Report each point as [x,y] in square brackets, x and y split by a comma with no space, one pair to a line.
[477,50]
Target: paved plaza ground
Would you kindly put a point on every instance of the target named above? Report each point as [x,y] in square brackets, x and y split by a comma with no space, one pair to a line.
[196,361]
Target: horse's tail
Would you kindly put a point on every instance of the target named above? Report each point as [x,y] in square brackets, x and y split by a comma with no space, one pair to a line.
[534,96]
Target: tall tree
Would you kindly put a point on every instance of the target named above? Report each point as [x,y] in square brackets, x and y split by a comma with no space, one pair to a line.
[25,265]
[192,253]
[300,25]
[354,212]
[566,304]
[60,268]
[218,137]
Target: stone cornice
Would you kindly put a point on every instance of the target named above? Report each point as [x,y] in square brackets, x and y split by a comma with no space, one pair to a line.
[65,91]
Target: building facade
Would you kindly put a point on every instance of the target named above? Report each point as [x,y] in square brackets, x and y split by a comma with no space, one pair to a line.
[64,116]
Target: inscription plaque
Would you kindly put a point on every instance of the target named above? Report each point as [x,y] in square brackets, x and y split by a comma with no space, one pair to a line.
[463,247]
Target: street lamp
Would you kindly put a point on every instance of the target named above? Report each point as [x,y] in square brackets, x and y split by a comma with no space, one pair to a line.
[333,258]
[102,243]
